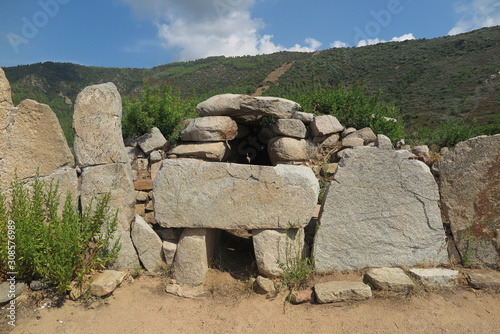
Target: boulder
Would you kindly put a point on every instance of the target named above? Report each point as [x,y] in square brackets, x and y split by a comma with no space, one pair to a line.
[148,245]
[469,180]
[391,279]
[325,125]
[285,149]
[244,105]
[273,247]
[366,134]
[383,142]
[340,291]
[31,142]
[212,128]
[233,196]
[217,151]
[435,277]
[5,92]
[194,250]
[115,179]
[381,210]
[97,125]
[304,117]
[106,282]
[151,141]
[290,128]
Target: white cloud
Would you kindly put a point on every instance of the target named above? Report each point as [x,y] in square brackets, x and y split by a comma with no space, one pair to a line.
[476,14]
[338,44]
[405,37]
[201,28]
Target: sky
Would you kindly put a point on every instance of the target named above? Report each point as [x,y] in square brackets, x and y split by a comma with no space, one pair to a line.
[147,33]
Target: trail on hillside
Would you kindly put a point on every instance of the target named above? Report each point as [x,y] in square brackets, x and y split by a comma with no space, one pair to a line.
[272,78]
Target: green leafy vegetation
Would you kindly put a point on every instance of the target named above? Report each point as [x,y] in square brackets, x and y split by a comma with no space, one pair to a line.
[55,247]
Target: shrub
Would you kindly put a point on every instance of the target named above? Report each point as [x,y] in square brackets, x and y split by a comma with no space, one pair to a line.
[58,248]
[155,106]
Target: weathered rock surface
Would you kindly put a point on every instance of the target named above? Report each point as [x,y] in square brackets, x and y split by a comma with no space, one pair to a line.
[290,128]
[149,246]
[31,140]
[115,179]
[305,117]
[283,149]
[352,141]
[483,279]
[186,291]
[244,105]
[149,142]
[340,291]
[217,151]
[169,248]
[6,292]
[277,246]
[302,296]
[97,124]
[212,128]
[325,125]
[470,197]
[381,210]
[106,282]
[5,92]
[436,277]
[194,250]
[265,285]
[383,142]
[391,279]
[366,134]
[233,196]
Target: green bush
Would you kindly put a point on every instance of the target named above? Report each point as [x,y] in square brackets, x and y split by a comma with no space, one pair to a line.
[160,107]
[354,107]
[57,248]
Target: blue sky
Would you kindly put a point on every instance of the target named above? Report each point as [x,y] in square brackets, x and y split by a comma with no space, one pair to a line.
[146,33]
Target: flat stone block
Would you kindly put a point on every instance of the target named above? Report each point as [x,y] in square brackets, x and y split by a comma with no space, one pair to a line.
[340,291]
[391,279]
[436,277]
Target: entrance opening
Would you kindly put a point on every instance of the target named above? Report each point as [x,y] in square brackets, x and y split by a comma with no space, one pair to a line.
[235,254]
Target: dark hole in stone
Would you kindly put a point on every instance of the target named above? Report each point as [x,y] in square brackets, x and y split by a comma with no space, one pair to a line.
[252,149]
[235,254]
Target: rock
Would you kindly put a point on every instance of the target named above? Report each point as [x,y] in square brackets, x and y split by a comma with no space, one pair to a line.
[31,141]
[340,291]
[305,117]
[143,185]
[325,125]
[331,141]
[244,105]
[265,285]
[233,196]
[37,285]
[10,291]
[141,196]
[290,128]
[5,92]
[483,279]
[340,154]
[302,296]
[97,125]
[389,213]
[347,132]
[106,282]
[435,277]
[140,209]
[391,279]
[272,247]
[115,179]
[154,140]
[208,129]
[148,245]
[283,149]
[352,141]
[169,249]
[149,206]
[422,150]
[470,190]
[168,234]
[194,249]
[155,156]
[383,142]
[185,291]
[217,151]
[155,167]
[366,134]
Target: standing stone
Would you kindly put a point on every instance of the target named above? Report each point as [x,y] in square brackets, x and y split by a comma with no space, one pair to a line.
[5,92]
[213,128]
[149,246]
[285,149]
[325,125]
[381,210]
[290,128]
[470,198]
[233,196]
[194,250]
[272,247]
[31,142]
[151,141]
[340,291]
[97,124]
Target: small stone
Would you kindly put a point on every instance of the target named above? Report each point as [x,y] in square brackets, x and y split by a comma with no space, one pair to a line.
[366,134]
[352,141]
[141,196]
[302,296]
[140,209]
[143,185]
[305,117]
[325,125]
[436,277]
[37,285]
[151,141]
[185,291]
[421,150]
[265,285]
[155,167]
[155,156]
[106,282]
[383,142]
[347,132]
[169,249]
[290,128]
[149,206]
[392,279]
[483,279]
[339,291]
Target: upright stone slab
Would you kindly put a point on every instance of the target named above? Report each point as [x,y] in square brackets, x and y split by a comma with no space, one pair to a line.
[194,194]
[470,197]
[5,92]
[97,125]
[149,246]
[381,210]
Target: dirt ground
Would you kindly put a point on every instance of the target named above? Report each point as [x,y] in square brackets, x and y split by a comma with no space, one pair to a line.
[141,305]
